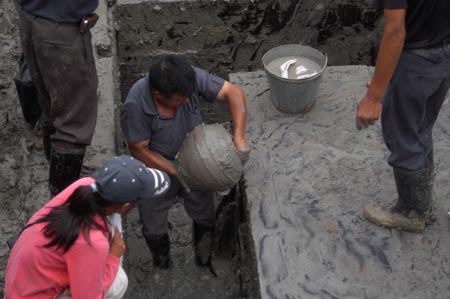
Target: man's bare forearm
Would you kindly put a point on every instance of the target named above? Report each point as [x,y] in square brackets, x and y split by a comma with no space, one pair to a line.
[153,160]
[391,47]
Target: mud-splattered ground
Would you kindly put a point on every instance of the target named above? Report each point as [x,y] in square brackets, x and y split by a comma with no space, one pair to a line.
[23,169]
[22,164]
[308,180]
[23,190]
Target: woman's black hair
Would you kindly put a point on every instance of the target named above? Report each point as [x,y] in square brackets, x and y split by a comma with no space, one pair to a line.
[170,74]
[76,215]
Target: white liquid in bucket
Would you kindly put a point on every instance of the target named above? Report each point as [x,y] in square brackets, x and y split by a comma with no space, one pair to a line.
[311,66]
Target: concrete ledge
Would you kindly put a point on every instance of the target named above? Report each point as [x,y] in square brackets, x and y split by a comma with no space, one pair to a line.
[308,178]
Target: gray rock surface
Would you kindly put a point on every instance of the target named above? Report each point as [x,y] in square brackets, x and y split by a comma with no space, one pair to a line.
[309,177]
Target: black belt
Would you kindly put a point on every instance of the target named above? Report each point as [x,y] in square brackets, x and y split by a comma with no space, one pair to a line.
[86,23]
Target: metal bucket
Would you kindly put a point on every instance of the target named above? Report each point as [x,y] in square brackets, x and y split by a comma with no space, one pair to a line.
[294,95]
[207,160]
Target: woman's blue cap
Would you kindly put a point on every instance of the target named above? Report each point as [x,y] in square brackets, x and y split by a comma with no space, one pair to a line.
[125,179]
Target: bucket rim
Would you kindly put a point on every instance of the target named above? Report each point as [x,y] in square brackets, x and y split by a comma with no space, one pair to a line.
[319,73]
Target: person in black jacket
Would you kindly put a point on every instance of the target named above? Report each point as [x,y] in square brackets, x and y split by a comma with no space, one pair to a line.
[408,88]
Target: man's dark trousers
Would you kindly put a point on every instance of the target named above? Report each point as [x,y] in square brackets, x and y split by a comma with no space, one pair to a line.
[411,106]
[61,63]
[62,66]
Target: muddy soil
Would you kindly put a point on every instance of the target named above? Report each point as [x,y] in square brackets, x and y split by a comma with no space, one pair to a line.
[345,30]
[23,188]
[231,36]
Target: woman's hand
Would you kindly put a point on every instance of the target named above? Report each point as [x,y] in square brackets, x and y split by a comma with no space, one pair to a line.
[117,244]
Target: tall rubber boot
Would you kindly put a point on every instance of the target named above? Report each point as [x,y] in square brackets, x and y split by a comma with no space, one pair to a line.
[203,238]
[160,249]
[46,141]
[412,209]
[64,170]
[27,93]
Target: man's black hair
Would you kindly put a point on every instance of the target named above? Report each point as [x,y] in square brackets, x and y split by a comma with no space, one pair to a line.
[170,74]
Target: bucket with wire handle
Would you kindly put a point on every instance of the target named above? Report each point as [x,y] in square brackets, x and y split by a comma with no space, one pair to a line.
[294,73]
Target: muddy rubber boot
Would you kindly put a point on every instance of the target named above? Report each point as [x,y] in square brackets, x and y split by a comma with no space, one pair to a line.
[64,170]
[413,204]
[202,235]
[31,111]
[46,141]
[160,249]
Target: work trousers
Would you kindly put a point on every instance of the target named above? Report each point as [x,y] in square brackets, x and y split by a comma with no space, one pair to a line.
[154,212]
[61,62]
[411,106]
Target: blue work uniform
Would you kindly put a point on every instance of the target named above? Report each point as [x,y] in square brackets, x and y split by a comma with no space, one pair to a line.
[141,121]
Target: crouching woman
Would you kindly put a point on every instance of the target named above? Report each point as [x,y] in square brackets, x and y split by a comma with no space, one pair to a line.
[67,250]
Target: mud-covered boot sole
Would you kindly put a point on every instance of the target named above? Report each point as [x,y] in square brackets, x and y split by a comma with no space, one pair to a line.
[381,216]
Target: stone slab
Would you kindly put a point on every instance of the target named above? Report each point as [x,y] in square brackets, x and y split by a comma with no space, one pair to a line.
[308,179]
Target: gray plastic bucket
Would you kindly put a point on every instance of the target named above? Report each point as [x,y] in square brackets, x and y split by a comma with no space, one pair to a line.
[294,95]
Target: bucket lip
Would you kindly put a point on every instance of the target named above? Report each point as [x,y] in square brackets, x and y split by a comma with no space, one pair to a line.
[319,73]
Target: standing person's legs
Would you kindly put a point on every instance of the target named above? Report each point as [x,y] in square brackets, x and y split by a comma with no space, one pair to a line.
[61,58]
[154,217]
[410,108]
[26,22]
[27,94]
[200,207]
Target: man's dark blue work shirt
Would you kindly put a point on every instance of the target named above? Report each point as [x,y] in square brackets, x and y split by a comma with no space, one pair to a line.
[141,121]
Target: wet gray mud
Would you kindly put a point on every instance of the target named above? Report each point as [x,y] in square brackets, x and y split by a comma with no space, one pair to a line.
[230,36]
[307,181]
[221,36]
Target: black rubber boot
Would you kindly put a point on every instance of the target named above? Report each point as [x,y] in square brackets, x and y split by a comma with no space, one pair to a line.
[46,141]
[28,99]
[160,249]
[203,237]
[413,206]
[64,170]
